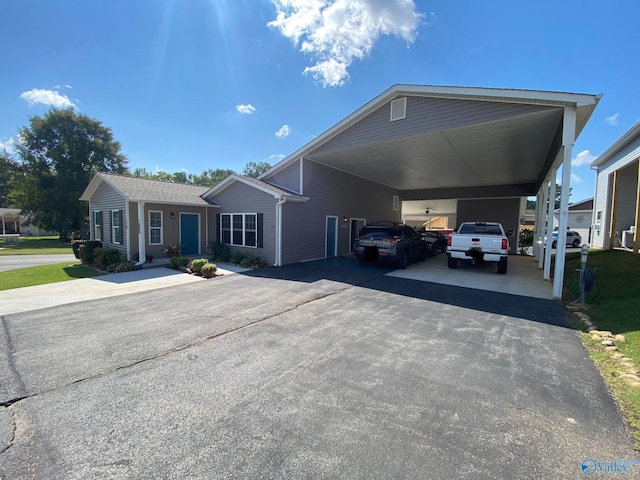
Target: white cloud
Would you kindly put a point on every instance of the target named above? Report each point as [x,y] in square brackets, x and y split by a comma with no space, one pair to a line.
[613,120]
[583,158]
[46,97]
[247,109]
[8,145]
[575,178]
[278,156]
[337,32]
[283,132]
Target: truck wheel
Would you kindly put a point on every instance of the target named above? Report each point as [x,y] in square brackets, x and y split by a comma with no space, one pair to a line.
[576,244]
[502,266]
[553,245]
[452,262]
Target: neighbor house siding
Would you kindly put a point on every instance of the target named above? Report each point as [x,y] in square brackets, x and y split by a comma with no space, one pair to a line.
[288,178]
[503,210]
[424,115]
[334,193]
[626,158]
[106,199]
[241,198]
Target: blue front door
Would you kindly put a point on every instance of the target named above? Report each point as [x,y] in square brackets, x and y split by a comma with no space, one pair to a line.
[189,233]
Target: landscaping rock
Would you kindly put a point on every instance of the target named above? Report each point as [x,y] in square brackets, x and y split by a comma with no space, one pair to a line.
[611,348]
[617,356]
[608,342]
[620,338]
[627,361]
[632,380]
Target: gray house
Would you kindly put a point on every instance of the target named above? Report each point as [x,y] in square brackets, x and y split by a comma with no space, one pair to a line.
[141,217]
[478,151]
[616,209]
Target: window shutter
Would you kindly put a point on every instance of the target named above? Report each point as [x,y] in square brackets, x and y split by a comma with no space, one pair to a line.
[260,228]
[106,232]
[121,227]
[218,226]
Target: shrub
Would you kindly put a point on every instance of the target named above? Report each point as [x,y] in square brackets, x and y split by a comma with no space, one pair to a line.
[121,267]
[75,246]
[97,256]
[236,257]
[196,265]
[208,270]
[179,262]
[86,249]
[109,257]
[252,261]
[526,238]
[219,251]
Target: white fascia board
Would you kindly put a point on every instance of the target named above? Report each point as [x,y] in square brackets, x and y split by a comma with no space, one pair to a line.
[164,202]
[617,146]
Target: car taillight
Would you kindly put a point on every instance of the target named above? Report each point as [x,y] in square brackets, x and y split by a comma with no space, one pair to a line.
[449,241]
[358,238]
[391,239]
[505,244]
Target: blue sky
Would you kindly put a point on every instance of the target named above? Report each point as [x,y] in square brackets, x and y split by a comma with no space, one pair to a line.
[197,84]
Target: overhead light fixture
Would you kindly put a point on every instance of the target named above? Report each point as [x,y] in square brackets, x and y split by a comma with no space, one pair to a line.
[172,215]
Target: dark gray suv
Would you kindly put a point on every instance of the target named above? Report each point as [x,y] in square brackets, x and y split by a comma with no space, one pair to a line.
[389,242]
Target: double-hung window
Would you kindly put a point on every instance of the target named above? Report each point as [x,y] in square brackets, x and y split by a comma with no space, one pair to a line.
[239,229]
[155,228]
[97,225]
[116,226]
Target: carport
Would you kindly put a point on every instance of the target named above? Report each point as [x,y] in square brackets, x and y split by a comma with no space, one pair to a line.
[480,149]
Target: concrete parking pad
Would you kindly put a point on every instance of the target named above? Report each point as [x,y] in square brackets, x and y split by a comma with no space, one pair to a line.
[523,276]
[320,370]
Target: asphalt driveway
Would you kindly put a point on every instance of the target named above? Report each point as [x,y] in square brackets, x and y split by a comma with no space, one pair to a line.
[319,370]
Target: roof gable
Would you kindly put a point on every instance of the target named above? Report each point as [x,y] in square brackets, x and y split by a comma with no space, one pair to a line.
[265,187]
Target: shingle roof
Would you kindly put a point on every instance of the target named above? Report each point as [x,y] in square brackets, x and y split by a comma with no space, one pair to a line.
[154,191]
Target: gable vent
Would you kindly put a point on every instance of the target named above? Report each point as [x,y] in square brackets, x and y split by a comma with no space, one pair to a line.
[398,109]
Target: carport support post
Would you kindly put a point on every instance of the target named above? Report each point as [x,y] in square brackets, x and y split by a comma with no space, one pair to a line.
[568,139]
[540,216]
[549,223]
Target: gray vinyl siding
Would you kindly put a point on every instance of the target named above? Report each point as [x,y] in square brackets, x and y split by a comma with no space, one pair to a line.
[425,115]
[241,198]
[626,162]
[288,178]
[106,199]
[334,193]
[503,210]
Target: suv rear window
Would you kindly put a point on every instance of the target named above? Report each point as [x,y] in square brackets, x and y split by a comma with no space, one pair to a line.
[380,232]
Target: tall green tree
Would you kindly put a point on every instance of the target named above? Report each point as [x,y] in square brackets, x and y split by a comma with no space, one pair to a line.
[253,169]
[8,169]
[58,154]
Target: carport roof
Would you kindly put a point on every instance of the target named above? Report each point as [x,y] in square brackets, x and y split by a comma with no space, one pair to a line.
[450,138]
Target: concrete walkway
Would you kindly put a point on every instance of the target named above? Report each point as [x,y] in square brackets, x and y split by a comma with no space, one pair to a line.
[43,296]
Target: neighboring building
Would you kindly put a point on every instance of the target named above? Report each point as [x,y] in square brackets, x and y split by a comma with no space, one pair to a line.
[9,221]
[580,215]
[617,196]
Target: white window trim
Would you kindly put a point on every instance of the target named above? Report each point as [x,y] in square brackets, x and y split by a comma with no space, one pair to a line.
[95,225]
[161,227]
[113,229]
[244,229]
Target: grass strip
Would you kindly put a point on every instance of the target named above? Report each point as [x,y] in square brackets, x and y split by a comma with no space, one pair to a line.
[44,274]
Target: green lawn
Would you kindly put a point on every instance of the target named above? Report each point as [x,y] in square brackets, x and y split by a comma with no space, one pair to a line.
[614,305]
[27,277]
[35,245]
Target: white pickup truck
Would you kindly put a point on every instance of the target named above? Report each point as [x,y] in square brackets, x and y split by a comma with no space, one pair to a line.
[479,242]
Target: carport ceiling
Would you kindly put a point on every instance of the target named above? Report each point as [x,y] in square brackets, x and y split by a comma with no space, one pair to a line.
[451,137]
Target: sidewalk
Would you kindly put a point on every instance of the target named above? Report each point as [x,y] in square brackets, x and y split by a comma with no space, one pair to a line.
[43,296]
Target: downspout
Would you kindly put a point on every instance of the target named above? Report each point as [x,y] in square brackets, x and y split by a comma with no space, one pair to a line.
[142,252]
[281,202]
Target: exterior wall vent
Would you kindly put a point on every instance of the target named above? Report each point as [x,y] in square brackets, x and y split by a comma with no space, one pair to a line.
[398,109]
